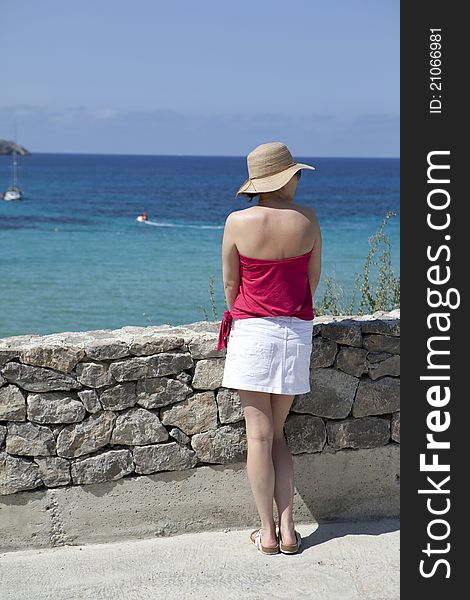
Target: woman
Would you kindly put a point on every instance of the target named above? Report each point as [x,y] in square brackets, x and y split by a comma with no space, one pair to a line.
[271,263]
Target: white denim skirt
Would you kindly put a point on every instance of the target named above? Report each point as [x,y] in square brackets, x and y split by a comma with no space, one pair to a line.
[269,354]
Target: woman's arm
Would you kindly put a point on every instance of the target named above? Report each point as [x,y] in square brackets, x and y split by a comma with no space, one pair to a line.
[314,265]
[230,261]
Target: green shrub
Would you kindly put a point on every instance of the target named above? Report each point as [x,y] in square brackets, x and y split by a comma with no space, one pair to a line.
[377,287]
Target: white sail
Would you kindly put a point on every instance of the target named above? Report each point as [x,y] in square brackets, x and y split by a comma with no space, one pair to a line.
[14,191]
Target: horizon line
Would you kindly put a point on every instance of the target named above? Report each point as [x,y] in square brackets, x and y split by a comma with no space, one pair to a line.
[197,155]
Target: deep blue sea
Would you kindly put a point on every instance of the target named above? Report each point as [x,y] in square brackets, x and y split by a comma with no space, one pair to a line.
[73,257]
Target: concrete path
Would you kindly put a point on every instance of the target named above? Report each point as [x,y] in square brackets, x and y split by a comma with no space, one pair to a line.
[340,561]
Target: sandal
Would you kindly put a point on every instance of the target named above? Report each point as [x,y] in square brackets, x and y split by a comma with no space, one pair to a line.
[290,548]
[255,537]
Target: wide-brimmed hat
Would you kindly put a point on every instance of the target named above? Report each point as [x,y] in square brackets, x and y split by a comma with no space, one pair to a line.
[270,166]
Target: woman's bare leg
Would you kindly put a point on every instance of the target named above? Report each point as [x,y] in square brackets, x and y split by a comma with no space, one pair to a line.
[259,433]
[283,467]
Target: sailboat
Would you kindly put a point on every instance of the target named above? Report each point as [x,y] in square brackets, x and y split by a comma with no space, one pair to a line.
[14,192]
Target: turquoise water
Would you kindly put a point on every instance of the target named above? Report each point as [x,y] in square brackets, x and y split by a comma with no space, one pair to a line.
[74,258]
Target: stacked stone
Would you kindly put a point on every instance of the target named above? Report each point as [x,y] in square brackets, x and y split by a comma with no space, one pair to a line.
[89,407]
[355,388]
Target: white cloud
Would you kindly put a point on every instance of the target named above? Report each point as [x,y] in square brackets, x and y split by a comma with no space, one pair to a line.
[76,114]
[104,113]
[166,131]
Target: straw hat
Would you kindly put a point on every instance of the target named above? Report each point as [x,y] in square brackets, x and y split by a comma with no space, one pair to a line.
[270,166]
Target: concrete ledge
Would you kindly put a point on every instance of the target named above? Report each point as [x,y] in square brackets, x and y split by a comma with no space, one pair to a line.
[343,485]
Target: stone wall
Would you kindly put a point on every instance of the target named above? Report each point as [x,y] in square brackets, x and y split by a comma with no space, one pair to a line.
[79,408]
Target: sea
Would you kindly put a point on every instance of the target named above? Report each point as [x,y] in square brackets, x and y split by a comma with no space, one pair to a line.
[73,256]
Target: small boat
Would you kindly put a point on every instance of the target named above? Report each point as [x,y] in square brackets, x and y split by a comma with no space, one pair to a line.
[14,192]
[142,217]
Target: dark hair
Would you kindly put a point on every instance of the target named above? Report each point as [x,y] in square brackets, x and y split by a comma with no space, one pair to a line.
[251,196]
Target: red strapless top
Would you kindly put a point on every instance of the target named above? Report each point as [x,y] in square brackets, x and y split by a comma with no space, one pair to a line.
[270,287]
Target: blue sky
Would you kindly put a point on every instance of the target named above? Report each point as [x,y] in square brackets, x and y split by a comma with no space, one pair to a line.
[201,77]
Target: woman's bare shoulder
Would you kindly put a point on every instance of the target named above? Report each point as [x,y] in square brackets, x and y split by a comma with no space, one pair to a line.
[236,215]
[240,215]
[309,212]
